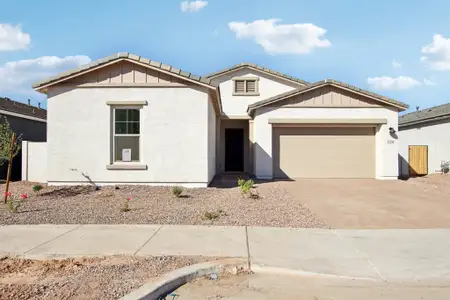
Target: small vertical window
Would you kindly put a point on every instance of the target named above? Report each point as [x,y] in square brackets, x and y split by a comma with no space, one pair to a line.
[246,86]
[126,135]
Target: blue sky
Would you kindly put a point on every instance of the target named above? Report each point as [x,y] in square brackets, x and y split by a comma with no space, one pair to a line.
[399,49]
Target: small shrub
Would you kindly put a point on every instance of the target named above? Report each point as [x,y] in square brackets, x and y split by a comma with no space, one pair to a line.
[177,191]
[126,205]
[240,182]
[12,203]
[37,187]
[245,185]
[213,215]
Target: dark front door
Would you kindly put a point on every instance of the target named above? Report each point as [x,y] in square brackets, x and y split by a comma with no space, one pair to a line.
[234,150]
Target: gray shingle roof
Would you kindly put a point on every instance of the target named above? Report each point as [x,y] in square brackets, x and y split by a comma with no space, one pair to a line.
[425,115]
[304,89]
[7,104]
[124,55]
[260,68]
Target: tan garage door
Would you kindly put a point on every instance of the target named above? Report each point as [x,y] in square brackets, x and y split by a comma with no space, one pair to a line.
[301,152]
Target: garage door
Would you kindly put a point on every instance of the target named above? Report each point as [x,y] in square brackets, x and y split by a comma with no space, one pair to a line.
[321,152]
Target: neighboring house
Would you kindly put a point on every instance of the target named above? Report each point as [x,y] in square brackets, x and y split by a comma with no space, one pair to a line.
[424,144]
[26,121]
[125,119]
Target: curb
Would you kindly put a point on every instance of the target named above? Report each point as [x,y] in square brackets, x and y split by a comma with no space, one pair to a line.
[172,280]
[283,271]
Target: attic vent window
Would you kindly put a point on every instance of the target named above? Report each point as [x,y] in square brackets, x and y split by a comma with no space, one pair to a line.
[246,86]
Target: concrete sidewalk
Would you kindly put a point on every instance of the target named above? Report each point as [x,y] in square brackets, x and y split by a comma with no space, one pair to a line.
[389,255]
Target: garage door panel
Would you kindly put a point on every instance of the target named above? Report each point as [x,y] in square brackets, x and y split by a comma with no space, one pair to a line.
[324,152]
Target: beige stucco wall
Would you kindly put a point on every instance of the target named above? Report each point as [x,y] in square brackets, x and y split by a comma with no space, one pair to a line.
[34,161]
[211,142]
[174,136]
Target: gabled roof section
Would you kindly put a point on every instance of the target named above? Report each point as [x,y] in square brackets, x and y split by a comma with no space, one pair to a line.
[124,56]
[15,107]
[257,68]
[425,115]
[327,82]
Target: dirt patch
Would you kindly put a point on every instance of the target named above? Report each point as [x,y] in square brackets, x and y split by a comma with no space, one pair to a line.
[375,204]
[156,205]
[84,278]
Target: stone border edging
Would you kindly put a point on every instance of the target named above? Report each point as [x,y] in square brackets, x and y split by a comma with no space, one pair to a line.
[172,280]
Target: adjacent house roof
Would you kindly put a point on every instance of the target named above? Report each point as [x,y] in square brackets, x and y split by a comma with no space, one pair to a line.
[425,115]
[123,56]
[8,105]
[327,82]
[258,68]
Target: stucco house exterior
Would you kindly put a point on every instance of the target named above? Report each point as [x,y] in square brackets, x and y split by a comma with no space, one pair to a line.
[426,130]
[125,119]
[28,122]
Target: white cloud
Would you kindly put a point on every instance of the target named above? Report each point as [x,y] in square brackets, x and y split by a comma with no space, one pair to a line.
[17,76]
[192,6]
[282,38]
[13,38]
[429,81]
[391,83]
[437,54]
[396,64]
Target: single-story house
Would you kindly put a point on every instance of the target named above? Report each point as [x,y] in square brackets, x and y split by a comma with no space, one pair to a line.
[125,119]
[28,122]
[424,145]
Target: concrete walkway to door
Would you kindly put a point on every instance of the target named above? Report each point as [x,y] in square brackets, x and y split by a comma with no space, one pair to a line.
[374,254]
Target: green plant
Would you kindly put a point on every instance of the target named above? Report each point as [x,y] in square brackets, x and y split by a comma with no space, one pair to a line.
[5,141]
[13,203]
[37,187]
[126,205]
[177,191]
[213,215]
[245,185]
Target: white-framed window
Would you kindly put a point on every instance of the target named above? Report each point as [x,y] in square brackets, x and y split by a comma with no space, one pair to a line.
[126,134]
[246,86]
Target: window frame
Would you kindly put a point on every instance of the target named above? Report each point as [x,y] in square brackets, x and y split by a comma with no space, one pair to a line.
[120,165]
[246,79]
[114,135]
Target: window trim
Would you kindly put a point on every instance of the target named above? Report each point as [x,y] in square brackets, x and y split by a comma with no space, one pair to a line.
[245,79]
[120,165]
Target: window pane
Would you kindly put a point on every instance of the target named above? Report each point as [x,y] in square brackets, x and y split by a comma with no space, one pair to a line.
[133,115]
[126,142]
[121,127]
[133,128]
[121,114]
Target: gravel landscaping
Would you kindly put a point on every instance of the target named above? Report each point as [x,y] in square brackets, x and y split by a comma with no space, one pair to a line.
[156,205]
[83,278]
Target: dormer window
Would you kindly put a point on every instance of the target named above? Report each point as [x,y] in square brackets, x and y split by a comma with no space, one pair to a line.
[246,86]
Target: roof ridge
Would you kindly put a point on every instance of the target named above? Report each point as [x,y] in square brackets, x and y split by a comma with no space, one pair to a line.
[426,109]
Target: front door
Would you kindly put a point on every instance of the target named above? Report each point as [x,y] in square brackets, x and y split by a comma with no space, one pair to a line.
[234,150]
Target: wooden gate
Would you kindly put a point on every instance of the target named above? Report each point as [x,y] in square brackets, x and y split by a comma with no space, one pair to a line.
[418,160]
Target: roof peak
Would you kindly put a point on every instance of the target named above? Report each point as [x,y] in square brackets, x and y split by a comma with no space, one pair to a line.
[259,68]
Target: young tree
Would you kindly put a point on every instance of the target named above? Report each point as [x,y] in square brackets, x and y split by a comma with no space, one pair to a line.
[6,134]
